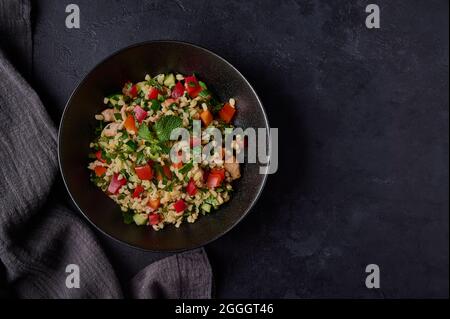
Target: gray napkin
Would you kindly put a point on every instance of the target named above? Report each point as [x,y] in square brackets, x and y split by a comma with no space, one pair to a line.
[38,237]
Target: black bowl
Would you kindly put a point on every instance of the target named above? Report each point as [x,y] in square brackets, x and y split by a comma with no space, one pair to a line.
[77,130]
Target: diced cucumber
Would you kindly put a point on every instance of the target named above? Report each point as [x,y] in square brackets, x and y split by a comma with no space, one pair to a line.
[206,207]
[140,219]
[169,80]
[212,201]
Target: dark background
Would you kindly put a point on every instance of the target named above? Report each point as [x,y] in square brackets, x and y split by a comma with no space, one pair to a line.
[363,125]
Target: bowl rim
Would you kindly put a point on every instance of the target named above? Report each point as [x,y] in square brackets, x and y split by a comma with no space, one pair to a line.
[61,125]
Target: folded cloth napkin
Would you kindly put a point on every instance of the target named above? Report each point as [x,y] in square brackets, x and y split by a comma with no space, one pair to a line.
[38,237]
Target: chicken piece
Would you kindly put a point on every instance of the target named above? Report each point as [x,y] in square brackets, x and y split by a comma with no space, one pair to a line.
[108,115]
[111,129]
[233,169]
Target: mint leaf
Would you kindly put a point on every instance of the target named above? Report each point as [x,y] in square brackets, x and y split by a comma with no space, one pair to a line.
[165,125]
[144,133]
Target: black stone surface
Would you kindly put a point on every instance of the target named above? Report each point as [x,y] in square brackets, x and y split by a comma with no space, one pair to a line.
[363,124]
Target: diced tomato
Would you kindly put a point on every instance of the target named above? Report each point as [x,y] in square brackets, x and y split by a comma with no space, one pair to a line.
[130,90]
[140,113]
[144,172]
[206,117]
[130,124]
[177,165]
[179,206]
[191,189]
[214,180]
[227,113]
[98,155]
[153,203]
[138,191]
[192,86]
[167,172]
[219,171]
[153,93]
[100,170]
[178,90]
[154,219]
[116,184]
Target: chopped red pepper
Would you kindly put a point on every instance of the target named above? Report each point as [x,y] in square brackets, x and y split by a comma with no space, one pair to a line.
[192,86]
[130,124]
[178,90]
[227,112]
[206,117]
[214,180]
[153,203]
[179,206]
[167,172]
[98,155]
[140,113]
[100,170]
[219,171]
[153,93]
[154,219]
[191,189]
[144,172]
[130,89]
[138,191]
[116,184]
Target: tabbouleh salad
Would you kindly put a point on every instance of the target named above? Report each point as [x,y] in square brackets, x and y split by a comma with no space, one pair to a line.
[130,155]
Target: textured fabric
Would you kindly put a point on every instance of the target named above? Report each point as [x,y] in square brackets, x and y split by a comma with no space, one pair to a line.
[15,33]
[38,237]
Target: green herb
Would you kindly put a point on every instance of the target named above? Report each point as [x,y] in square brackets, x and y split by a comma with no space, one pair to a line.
[164,147]
[155,83]
[215,107]
[128,217]
[124,135]
[118,116]
[205,94]
[169,187]
[186,168]
[161,98]
[144,133]
[138,100]
[124,173]
[115,97]
[156,106]
[203,85]
[132,145]
[140,158]
[165,125]
[106,157]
